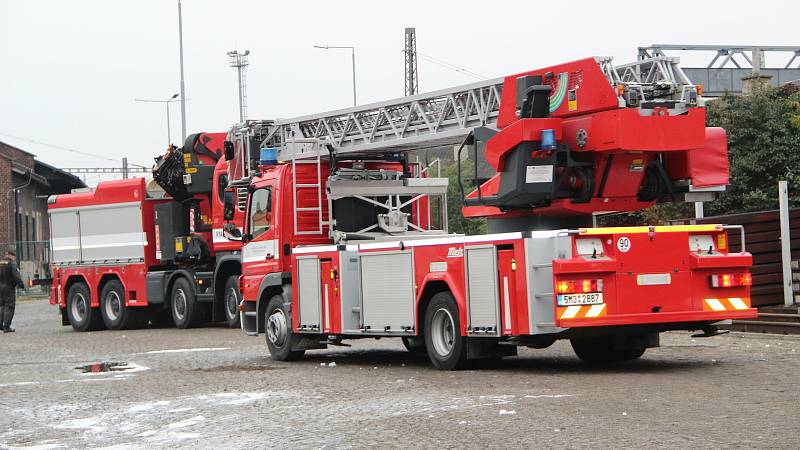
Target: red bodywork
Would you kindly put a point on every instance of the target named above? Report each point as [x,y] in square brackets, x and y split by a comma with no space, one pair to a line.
[648,276]
[133,276]
[626,302]
[620,141]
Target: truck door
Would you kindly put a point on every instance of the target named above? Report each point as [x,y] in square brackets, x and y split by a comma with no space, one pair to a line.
[261,253]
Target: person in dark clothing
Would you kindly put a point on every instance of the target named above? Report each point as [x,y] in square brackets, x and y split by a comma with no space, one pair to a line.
[9,280]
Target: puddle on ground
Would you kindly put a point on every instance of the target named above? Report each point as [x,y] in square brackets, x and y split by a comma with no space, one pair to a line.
[105,366]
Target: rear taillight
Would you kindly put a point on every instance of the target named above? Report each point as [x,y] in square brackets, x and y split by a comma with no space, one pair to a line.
[578,286]
[724,280]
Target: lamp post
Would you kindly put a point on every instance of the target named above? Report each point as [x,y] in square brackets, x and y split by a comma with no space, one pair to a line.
[183,86]
[166,102]
[352,55]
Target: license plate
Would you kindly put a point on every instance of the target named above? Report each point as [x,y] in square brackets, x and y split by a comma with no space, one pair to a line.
[589,298]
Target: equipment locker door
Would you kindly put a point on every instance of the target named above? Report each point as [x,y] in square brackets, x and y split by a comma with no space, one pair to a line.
[483,306]
[309,292]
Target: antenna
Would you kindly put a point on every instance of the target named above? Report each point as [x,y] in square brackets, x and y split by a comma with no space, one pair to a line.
[412,83]
[239,60]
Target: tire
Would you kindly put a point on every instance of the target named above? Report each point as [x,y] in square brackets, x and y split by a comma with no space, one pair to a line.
[116,315]
[187,312]
[447,348]
[278,330]
[601,350]
[80,313]
[415,345]
[230,300]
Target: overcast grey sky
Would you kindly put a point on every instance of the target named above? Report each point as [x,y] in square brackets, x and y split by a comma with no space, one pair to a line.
[69,70]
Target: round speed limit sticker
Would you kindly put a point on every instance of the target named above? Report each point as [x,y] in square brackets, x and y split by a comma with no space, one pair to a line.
[623,244]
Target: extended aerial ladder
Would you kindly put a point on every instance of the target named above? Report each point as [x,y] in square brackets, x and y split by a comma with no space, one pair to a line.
[449,117]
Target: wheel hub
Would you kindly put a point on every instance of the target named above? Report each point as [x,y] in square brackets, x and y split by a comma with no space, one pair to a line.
[180,303]
[232,303]
[79,307]
[277,328]
[443,332]
[113,305]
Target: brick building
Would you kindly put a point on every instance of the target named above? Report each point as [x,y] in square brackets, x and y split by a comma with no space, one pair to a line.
[25,184]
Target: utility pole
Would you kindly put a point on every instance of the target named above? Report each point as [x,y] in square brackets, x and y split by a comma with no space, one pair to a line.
[183,85]
[412,83]
[124,168]
[240,61]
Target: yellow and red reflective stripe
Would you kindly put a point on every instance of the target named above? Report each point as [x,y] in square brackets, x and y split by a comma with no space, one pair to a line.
[582,311]
[726,304]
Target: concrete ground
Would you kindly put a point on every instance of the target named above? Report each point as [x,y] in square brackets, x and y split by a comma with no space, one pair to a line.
[217,388]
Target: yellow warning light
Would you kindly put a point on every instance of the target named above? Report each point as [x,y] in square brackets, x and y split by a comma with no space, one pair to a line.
[722,241]
[199,281]
[513,264]
[332,274]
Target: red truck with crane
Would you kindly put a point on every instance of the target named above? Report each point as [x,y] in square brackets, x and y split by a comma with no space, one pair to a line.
[339,244]
[129,252]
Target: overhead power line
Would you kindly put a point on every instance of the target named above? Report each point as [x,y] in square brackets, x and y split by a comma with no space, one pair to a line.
[71,150]
[450,66]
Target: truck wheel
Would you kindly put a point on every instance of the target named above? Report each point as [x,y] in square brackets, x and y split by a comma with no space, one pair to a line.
[602,350]
[414,345]
[186,311]
[80,313]
[447,348]
[231,298]
[116,315]
[278,328]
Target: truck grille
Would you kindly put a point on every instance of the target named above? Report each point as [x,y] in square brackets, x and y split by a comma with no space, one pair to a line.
[241,198]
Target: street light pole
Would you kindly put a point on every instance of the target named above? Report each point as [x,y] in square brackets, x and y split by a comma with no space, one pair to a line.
[183,85]
[353,54]
[166,102]
[353,57]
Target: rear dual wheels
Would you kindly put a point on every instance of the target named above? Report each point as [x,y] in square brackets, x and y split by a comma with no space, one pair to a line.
[80,313]
[116,314]
[603,349]
[278,330]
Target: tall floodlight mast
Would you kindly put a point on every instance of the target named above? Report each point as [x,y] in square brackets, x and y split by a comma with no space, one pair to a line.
[239,60]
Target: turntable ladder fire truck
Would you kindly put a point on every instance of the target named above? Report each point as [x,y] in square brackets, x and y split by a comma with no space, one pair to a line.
[126,253]
[340,242]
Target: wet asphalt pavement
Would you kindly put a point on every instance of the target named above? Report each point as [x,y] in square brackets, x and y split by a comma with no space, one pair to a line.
[217,388]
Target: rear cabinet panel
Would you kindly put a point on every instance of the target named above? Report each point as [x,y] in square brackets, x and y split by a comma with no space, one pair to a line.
[64,236]
[387,287]
[309,296]
[483,306]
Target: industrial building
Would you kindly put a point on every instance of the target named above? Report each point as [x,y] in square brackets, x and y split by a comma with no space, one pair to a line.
[25,184]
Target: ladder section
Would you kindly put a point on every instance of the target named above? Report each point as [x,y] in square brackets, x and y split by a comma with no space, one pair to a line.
[410,123]
[299,194]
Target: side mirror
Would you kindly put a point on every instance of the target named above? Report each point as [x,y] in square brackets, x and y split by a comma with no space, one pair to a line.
[229,207]
[228,150]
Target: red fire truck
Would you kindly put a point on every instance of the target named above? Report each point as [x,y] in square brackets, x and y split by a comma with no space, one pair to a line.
[127,252]
[344,237]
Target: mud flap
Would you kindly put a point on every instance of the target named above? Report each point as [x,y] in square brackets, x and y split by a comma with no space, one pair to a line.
[482,348]
[308,342]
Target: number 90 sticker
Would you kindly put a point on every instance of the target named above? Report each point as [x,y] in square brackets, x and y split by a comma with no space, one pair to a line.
[623,244]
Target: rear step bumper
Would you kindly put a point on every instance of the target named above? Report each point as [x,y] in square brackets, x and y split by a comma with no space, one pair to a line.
[662,317]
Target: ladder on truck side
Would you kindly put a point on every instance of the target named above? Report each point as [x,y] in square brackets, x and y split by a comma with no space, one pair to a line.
[298,145]
[445,117]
